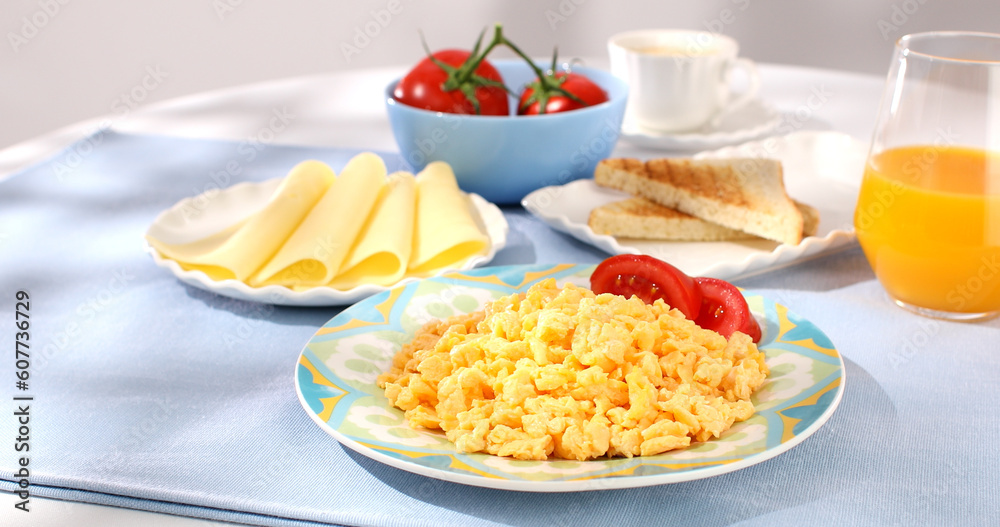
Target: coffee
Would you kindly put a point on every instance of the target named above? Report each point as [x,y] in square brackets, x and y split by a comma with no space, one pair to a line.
[679,80]
[668,50]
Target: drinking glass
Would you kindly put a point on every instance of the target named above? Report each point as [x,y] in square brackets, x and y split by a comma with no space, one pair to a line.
[928,213]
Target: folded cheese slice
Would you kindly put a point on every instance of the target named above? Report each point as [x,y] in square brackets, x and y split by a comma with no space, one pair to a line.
[314,253]
[241,249]
[381,252]
[446,233]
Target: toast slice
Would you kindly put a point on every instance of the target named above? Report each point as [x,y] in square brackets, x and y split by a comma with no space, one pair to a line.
[744,194]
[641,218]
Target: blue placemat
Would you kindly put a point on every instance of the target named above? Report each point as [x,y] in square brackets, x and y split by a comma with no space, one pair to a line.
[150,394]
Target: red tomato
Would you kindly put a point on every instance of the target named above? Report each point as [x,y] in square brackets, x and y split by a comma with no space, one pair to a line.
[647,278]
[423,87]
[724,310]
[580,86]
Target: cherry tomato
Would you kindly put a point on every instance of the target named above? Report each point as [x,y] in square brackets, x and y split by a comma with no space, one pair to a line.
[423,87]
[580,86]
[724,310]
[647,278]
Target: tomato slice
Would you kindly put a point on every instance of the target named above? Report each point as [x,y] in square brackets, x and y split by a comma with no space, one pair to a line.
[724,309]
[647,278]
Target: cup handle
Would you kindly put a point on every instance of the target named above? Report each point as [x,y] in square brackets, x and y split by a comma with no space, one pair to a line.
[742,99]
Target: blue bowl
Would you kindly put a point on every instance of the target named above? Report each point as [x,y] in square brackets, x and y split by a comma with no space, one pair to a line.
[504,158]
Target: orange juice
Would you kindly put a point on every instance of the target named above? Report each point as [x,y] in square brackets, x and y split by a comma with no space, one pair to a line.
[928,220]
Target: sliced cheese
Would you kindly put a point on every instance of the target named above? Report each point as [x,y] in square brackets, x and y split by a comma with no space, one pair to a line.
[314,253]
[241,249]
[382,251]
[446,234]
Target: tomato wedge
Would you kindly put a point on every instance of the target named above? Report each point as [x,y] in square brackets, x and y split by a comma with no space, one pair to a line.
[647,278]
[724,310]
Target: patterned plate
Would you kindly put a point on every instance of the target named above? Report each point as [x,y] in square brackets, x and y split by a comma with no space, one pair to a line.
[335,380]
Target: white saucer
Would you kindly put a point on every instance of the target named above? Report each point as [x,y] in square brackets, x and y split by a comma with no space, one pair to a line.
[751,121]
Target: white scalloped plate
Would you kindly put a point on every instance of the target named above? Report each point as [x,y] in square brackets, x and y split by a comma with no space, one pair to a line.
[822,169]
[751,121]
[217,209]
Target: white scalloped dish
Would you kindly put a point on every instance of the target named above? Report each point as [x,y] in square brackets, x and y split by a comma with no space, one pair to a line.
[218,209]
[822,169]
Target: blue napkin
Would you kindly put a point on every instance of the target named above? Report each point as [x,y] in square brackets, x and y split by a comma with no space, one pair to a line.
[150,394]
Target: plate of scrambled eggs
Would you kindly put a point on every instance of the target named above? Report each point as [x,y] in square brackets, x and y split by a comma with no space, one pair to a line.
[520,378]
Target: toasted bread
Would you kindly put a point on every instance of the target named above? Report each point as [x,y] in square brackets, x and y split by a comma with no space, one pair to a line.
[742,194]
[810,218]
[641,218]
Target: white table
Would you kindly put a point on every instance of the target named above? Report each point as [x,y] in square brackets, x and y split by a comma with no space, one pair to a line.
[346,110]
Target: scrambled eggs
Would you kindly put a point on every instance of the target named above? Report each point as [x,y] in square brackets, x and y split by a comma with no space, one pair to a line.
[562,372]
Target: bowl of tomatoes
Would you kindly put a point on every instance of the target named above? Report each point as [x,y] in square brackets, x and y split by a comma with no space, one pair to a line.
[504,142]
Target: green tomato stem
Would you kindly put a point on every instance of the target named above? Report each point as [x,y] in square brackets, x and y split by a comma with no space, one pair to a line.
[547,84]
[465,79]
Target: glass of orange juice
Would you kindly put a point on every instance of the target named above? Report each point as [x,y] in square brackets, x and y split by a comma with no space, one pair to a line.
[928,213]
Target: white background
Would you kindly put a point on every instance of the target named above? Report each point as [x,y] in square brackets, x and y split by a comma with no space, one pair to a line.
[63,61]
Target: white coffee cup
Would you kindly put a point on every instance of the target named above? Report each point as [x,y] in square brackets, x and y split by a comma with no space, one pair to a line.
[680,80]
